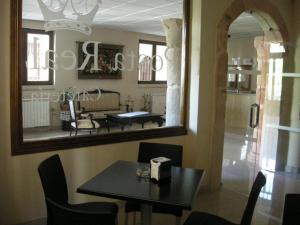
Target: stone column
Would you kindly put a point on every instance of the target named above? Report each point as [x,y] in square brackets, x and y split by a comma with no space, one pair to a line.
[262,47]
[173,31]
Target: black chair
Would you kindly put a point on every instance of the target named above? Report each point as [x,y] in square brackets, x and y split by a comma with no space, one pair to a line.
[291,213]
[66,215]
[60,212]
[201,218]
[148,151]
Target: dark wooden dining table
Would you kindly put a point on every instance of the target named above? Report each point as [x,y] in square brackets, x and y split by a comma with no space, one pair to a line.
[119,181]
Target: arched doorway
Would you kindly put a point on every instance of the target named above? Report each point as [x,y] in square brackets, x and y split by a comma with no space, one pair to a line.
[270,20]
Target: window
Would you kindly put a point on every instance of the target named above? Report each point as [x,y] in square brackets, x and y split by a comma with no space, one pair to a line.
[275,78]
[38,45]
[124,111]
[152,62]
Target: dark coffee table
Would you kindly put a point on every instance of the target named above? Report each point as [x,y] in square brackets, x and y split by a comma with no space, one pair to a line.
[119,181]
[124,119]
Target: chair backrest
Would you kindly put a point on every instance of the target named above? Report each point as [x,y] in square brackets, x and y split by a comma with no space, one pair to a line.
[72,110]
[291,213]
[99,100]
[148,151]
[259,182]
[53,179]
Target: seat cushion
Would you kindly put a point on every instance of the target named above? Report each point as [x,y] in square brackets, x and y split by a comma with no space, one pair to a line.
[134,207]
[103,207]
[200,218]
[85,124]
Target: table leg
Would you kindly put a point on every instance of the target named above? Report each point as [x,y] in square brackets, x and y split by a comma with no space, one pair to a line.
[146,214]
[107,126]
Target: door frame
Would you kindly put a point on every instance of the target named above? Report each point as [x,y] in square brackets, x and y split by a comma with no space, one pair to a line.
[271,20]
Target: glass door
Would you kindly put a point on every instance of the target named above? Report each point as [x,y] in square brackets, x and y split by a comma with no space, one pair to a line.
[242,125]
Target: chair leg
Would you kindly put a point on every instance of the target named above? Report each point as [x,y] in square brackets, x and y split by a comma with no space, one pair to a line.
[126,218]
[178,220]
[134,218]
[76,132]
[117,221]
[107,126]
[71,132]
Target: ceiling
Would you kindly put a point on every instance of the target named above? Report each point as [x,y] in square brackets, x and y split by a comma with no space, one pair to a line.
[133,15]
[136,15]
[245,25]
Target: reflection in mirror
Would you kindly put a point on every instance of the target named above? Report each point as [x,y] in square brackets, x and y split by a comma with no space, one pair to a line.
[94,67]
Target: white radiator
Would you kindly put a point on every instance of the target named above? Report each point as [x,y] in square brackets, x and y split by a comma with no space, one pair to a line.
[36,113]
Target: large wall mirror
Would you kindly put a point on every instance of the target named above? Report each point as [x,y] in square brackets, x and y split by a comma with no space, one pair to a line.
[87,72]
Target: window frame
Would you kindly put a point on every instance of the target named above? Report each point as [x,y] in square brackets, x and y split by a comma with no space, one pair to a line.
[25,32]
[21,147]
[153,75]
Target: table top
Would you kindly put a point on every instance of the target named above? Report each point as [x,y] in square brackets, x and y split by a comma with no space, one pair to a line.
[132,115]
[119,181]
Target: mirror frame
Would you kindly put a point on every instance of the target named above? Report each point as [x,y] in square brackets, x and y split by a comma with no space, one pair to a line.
[20,147]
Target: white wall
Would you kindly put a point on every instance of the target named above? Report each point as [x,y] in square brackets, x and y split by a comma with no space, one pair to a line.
[242,47]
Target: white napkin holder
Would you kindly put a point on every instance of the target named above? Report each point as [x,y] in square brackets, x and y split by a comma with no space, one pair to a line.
[160,168]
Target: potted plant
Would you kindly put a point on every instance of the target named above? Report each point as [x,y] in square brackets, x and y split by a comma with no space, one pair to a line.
[146,102]
[64,98]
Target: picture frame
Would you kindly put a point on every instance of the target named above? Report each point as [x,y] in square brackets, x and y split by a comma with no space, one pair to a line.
[106,62]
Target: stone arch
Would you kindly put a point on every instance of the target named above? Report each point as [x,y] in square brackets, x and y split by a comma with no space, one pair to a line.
[270,19]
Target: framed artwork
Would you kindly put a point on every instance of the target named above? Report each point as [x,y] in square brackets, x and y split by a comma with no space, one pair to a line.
[107,60]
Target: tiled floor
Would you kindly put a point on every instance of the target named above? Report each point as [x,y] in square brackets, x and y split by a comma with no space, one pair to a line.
[230,205]
[240,166]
